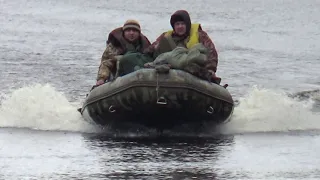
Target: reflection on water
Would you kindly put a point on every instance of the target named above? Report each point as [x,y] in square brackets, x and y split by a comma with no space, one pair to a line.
[159,157]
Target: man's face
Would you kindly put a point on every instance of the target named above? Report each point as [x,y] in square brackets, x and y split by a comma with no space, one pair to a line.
[180,28]
[131,34]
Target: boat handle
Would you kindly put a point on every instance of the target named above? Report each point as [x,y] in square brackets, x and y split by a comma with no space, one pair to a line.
[112,109]
[210,110]
[161,100]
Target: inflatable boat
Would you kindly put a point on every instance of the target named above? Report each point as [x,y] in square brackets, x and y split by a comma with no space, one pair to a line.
[160,100]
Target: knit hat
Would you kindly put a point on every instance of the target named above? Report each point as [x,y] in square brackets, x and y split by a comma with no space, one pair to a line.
[131,24]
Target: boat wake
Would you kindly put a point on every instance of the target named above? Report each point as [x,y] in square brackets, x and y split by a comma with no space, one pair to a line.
[264,110]
[42,107]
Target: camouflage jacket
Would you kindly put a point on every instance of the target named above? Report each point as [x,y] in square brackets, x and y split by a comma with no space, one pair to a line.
[204,39]
[108,62]
[116,45]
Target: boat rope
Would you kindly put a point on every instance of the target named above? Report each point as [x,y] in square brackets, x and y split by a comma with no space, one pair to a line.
[160,100]
[157,88]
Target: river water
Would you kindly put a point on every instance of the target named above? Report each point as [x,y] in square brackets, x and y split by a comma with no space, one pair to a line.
[269,54]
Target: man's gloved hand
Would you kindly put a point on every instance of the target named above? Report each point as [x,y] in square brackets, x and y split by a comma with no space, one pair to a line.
[100,82]
[215,78]
[149,65]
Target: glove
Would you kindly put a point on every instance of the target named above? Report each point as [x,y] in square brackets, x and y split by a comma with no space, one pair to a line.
[149,65]
[100,82]
[215,78]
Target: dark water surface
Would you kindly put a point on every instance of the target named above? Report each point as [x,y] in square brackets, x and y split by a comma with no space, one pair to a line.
[32,154]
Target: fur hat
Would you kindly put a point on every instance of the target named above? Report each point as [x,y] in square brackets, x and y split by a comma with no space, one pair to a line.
[131,24]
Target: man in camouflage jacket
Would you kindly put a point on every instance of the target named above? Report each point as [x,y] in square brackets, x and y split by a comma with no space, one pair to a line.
[120,41]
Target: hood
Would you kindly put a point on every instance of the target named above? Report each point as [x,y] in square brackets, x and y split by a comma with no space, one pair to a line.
[181,15]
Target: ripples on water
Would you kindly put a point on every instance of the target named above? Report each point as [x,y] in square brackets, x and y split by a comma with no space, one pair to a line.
[269,56]
[57,155]
[163,157]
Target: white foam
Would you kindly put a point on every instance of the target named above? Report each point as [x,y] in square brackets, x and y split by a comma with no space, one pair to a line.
[264,110]
[40,107]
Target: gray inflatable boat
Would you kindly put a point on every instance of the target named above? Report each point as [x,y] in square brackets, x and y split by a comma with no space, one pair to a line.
[160,100]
